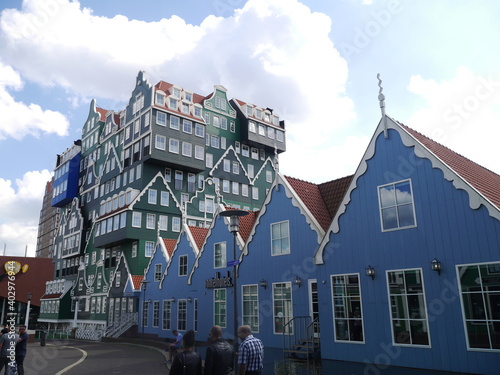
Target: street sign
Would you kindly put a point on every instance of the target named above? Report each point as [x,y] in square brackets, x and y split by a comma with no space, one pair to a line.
[233,263]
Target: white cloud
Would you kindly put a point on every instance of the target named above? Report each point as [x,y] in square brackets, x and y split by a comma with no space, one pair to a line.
[459,113]
[18,119]
[274,54]
[19,211]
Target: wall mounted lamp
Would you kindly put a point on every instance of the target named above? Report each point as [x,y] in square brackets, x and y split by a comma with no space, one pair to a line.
[436,266]
[173,299]
[370,271]
[190,299]
[263,283]
[297,281]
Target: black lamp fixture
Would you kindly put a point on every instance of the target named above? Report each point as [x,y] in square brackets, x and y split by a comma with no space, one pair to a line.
[436,266]
[263,283]
[297,281]
[190,299]
[370,271]
[173,300]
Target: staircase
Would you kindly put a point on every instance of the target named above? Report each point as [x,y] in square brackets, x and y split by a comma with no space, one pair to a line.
[122,324]
[301,338]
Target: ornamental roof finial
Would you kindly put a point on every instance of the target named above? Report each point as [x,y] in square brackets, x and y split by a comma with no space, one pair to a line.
[381,98]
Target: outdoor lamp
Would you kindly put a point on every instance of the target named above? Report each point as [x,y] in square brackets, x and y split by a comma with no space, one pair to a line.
[370,271]
[436,266]
[297,281]
[263,283]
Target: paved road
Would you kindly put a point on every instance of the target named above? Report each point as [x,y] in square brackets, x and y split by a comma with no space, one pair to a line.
[93,358]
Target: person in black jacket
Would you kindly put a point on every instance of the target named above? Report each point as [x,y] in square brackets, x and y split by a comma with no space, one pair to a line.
[188,362]
[220,355]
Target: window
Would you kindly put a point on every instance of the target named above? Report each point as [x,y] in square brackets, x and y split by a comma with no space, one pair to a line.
[216,121]
[232,127]
[185,108]
[183,265]
[251,126]
[160,142]
[225,186]
[220,255]
[172,103]
[199,152]
[176,224]
[214,141]
[157,272]
[280,238]
[408,311]
[136,219]
[145,313]
[255,193]
[227,165]
[174,122]
[251,307]
[164,198]
[244,190]
[187,126]
[118,276]
[195,314]
[163,222]
[236,167]
[209,160]
[191,181]
[396,205]
[223,123]
[199,130]
[152,193]
[168,175]
[151,221]
[167,315]
[178,180]
[173,146]
[245,150]
[282,307]
[279,136]
[347,311]
[161,118]
[148,248]
[134,249]
[235,188]
[187,149]
[255,153]
[160,99]
[156,313]
[479,285]
[269,176]
[182,315]
[220,307]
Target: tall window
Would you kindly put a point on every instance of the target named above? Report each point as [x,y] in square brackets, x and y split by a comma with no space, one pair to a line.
[251,307]
[164,198]
[195,314]
[396,205]
[152,194]
[145,313]
[182,315]
[149,247]
[347,311]
[280,238]
[167,315]
[220,307]
[408,310]
[157,272]
[220,255]
[479,286]
[136,219]
[178,180]
[183,265]
[282,307]
[151,221]
[156,313]
[176,224]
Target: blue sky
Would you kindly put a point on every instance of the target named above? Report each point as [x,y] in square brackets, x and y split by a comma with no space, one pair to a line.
[314,62]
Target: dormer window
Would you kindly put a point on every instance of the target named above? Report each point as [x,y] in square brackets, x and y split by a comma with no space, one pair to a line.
[188,96]
[276,120]
[176,92]
[185,108]
[249,111]
[258,113]
[172,103]
[267,118]
[160,98]
[197,111]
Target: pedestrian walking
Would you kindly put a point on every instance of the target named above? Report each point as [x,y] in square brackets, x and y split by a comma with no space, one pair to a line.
[250,353]
[219,359]
[188,362]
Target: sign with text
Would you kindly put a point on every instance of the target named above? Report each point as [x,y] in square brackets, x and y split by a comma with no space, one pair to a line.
[219,282]
[233,263]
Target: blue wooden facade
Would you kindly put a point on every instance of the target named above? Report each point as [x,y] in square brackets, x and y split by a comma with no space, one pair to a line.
[407,205]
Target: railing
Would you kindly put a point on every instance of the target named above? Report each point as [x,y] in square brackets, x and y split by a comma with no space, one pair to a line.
[119,326]
[301,336]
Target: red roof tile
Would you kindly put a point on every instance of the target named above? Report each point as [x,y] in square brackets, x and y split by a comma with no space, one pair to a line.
[102,113]
[199,235]
[169,245]
[310,195]
[483,180]
[136,280]
[333,193]
[246,224]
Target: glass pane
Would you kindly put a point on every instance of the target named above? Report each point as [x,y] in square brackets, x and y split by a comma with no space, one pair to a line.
[490,277]
[474,306]
[399,307]
[416,306]
[341,330]
[469,278]
[340,312]
[403,192]
[419,333]
[478,334]
[405,214]
[413,282]
[275,229]
[401,333]
[494,328]
[389,219]
[284,229]
[493,303]
[387,197]
[397,285]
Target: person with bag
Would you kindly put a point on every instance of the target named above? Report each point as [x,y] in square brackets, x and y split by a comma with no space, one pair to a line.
[188,362]
[220,354]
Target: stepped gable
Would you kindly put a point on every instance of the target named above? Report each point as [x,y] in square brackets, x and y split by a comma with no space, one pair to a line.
[199,235]
[169,245]
[482,179]
[311,195]
[333,193]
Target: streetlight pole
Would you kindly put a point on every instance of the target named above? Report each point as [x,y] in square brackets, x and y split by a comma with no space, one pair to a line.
[144,284]
[234,227]
[27,321]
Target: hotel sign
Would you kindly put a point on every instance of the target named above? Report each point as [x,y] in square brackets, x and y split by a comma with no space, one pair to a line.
[219,282]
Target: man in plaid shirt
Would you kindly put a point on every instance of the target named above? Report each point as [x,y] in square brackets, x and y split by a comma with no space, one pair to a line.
[250,353]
